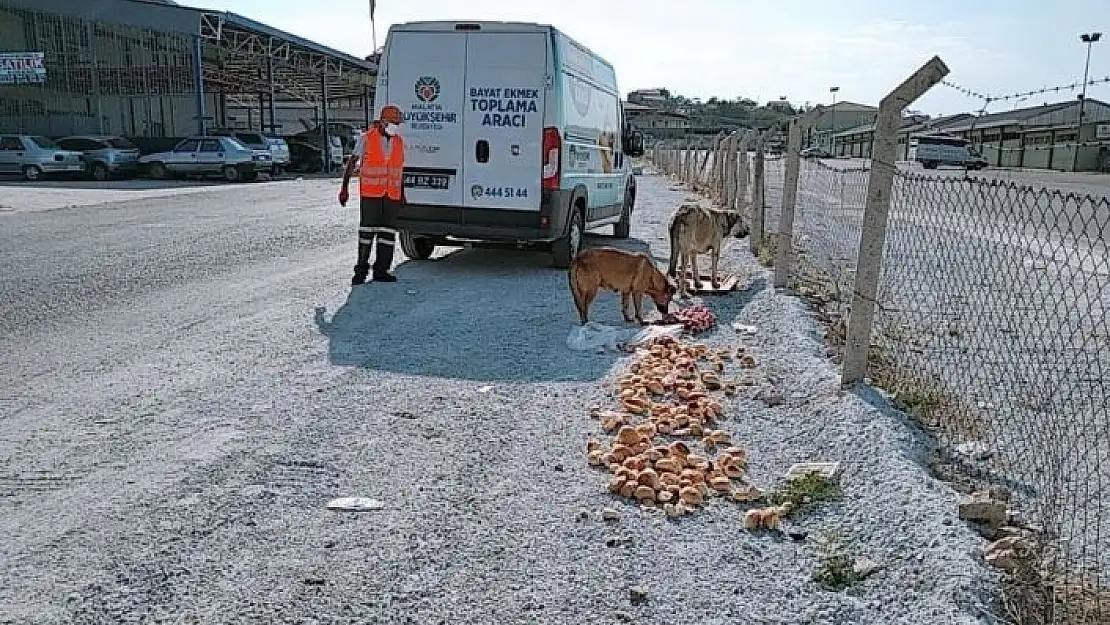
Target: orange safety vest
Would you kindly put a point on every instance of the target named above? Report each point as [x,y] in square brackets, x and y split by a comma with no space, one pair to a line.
[377,175]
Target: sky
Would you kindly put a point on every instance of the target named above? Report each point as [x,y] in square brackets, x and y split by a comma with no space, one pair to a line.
[765,50]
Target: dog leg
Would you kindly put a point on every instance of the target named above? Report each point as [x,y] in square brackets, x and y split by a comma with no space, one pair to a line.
[626,303]
[697,273]
[637,302]
[584,308]
[683,259]
[715,256]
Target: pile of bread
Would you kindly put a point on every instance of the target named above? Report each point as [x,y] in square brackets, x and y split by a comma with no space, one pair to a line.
[667,405]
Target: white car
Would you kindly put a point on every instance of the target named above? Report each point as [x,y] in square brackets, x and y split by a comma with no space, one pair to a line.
[33,157]
[206,156]
[514,135]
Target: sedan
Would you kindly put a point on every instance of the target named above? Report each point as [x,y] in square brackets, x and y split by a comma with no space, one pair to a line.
[204,156]
[33,157]
[105,157]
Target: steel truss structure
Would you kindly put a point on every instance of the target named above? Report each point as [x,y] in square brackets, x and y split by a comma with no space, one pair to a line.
[245,58]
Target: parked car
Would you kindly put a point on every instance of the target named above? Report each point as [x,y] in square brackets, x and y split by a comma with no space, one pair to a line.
[816,152]
[34,157]
[209,155]
[933,151]
[306,154]
[105,156]
[279,150]
[266,142]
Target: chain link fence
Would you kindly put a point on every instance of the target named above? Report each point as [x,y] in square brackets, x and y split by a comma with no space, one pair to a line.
[990,327]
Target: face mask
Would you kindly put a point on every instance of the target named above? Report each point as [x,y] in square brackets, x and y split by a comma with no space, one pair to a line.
[392,130]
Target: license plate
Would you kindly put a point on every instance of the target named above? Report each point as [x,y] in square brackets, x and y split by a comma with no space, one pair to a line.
[427,181]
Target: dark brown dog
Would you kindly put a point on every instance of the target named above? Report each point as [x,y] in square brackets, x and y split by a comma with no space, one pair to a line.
[631,274]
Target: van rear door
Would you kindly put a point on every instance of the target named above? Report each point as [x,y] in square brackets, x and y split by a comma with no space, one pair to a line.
[425,79]
[506,74]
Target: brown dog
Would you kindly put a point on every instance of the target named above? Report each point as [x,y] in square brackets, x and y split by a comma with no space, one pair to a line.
[633,275]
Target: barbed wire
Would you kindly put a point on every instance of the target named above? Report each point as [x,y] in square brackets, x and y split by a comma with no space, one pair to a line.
[1023,94]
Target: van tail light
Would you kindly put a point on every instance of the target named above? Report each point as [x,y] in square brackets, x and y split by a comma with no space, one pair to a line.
[552,152]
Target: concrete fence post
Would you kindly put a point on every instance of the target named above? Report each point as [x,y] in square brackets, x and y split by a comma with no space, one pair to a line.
[701,171]
[784,250]
[718,167]
[756,237]
[728,175]
[727,180]
[685,165]
[744,171]
[876,212]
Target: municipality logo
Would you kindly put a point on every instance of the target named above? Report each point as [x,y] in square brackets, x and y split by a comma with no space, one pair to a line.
[427,89]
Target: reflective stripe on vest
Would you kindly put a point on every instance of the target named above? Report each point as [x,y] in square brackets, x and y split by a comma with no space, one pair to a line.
[377,175]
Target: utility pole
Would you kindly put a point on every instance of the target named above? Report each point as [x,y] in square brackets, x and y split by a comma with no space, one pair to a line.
[1087,38]
[832,121]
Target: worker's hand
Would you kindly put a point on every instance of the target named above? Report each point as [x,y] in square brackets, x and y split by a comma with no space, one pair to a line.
[344,195]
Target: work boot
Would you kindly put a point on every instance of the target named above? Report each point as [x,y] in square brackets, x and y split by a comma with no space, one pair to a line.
[362,267]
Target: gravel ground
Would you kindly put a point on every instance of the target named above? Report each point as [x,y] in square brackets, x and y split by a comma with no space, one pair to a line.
[187,382]
[1003,297]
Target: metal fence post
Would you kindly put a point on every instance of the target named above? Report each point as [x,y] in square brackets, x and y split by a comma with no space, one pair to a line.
[784,240]
[198,81]
[756,236]
[873,235]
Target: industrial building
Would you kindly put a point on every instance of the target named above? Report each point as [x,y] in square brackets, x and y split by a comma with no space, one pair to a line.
[1038,137]
[155,71]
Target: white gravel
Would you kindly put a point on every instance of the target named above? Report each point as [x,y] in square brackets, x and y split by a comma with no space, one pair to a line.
[197,465]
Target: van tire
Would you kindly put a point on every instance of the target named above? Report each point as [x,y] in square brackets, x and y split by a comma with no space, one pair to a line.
[565,249]
[623,228]
[32,173]
[416,248]
[231,173]
[158,171]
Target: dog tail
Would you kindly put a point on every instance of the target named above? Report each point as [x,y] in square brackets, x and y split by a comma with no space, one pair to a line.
[572,276]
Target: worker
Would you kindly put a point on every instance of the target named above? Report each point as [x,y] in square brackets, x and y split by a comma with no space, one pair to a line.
[379,155]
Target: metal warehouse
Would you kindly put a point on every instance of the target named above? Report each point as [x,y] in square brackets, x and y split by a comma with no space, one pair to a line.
[154,69]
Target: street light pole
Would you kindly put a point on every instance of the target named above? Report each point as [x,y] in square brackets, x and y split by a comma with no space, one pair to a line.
[1087,38]
[832,121]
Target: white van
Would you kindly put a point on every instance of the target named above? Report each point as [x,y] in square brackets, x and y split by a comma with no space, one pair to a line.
[514,135]
[935,150]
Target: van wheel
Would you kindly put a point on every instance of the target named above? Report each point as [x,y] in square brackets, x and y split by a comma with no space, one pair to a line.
[565,249]
[231,173]
[623,228]
[158,171]
[31,173]
[417,248]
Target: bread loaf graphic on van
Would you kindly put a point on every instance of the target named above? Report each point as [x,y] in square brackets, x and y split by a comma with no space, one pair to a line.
[607,141]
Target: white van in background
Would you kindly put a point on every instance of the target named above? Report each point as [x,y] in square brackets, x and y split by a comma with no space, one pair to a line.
[935,150]
[514,135]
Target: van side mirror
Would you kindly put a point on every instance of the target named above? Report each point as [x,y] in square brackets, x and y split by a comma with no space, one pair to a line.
[633,143]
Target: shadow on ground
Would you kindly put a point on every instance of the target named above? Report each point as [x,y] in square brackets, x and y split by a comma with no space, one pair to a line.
[474,314]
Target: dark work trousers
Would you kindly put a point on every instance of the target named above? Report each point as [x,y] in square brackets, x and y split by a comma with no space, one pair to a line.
[377,219]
